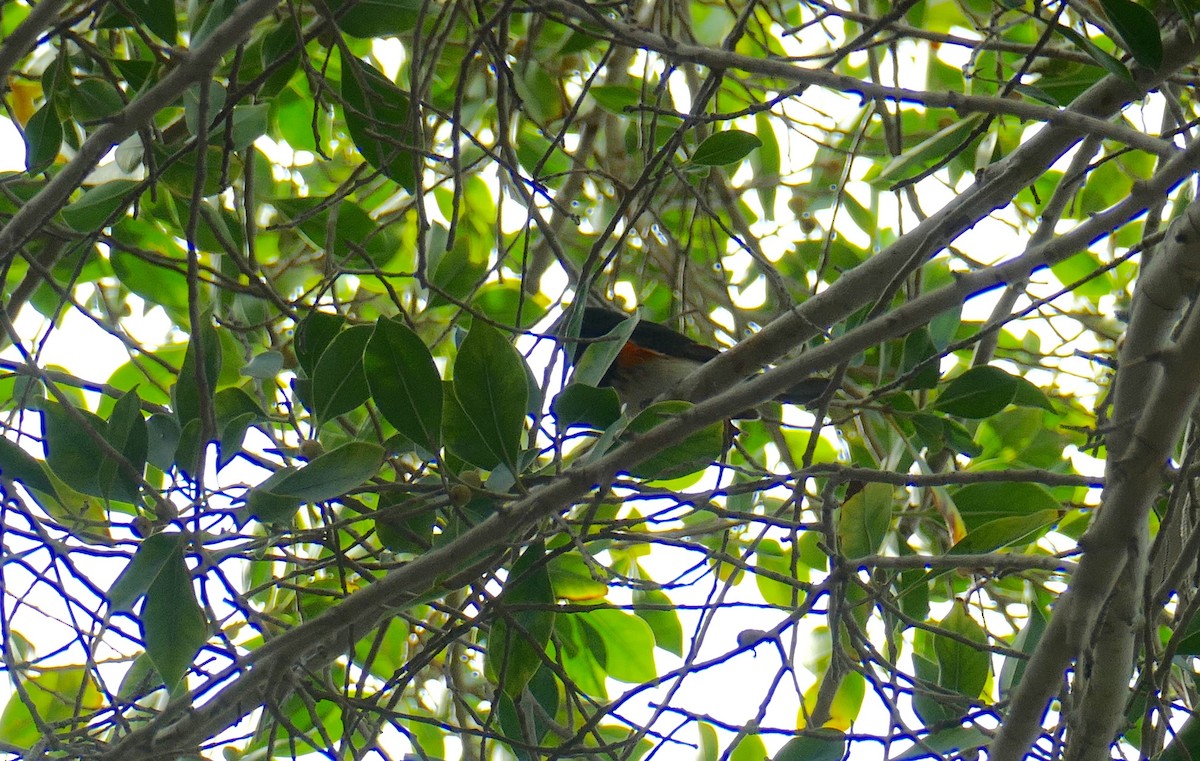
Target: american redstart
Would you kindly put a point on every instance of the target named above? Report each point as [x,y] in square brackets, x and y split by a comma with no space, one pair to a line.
[656,358]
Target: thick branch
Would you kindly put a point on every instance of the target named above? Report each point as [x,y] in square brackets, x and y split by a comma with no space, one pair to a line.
[1133,481]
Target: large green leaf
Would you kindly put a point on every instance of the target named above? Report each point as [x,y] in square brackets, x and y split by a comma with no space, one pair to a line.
[864,520]
[126,432]
[724,148]
[978,393]
[71,453]
[338,383]
[1139,30]
[377,114]
[98,205]
[484,422]
[404,382]
[174,626]
[327,477]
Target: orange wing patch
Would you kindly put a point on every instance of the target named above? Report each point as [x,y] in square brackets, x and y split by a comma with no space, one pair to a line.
[633,354]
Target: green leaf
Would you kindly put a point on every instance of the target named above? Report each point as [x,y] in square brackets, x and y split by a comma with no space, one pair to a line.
[962,668]
[751,748]
[1026,641]
[376,18]
[984,502]
[590,406]
[126,432]
[864,520]
[59,696]
[250,122]
[173,624]
[724,148]
[659,614]
[767,163]
[506,302]
[1002,532]
[152,555]
[404,382]
[186,394]
[771,557]
[814,745]
[343,229]
[264,365]
[71,454]
[919,351]
[100,205]
[377,118]
[491,392]
[94,99]
[525,619]
[43,139]
[1105,59]
[235,411]
[313,335]
[574,580]
[978,393]
[616,98]
[457,271]
[695,453]
[157,284]
[163,433]
[626,636]
[327,477]
[339,383]
[408,530]
[930,152]
[955,742]
[19,465]
[1139,30]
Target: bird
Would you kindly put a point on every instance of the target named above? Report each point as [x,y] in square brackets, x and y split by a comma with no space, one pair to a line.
[657,358]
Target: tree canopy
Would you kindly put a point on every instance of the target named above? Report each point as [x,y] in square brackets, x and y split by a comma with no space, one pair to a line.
[343,497]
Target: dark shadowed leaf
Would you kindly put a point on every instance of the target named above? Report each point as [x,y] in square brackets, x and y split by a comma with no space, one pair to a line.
[71,454]
[327,477]
[19,465]
[1139,30]
[590,406]
[524,622]
[815,745]
[187,392]
[377,117]
[864,520]
[375,18]
[313,336]
[43,139]
[978,393]
[126,432]
[148,562]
